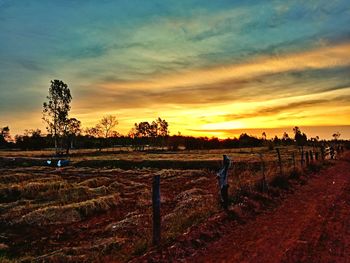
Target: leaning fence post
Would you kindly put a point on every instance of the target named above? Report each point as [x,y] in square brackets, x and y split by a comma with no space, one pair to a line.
[279,159]
[156,209]
[222,177]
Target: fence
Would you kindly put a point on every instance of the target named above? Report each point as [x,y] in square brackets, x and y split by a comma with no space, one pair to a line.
[282,162]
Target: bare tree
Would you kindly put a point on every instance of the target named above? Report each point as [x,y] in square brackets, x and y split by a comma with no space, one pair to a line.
[107,124]
[95,131]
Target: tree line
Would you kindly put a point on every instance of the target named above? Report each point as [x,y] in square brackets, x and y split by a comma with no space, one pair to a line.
[65,132]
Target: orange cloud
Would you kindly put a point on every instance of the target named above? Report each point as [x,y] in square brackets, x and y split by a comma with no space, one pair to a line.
[320,58]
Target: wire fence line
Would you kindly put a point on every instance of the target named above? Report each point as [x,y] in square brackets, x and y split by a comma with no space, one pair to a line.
[257,174]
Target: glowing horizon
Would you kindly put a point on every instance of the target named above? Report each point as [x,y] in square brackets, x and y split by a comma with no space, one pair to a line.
[209,69]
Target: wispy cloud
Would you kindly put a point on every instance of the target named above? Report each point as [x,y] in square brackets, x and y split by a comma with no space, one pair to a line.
[185,60]
[290,107]
[327,57]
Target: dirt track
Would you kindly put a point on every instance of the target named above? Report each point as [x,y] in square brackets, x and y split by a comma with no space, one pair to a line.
[311,225]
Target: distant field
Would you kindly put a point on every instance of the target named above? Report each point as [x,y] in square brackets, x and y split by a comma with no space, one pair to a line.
[243,158]
[239,155]
[81,213]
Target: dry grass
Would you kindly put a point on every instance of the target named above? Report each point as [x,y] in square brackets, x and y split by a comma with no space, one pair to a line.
[193,206]
[82,214]
[96,182]
[70,213]
[238,154]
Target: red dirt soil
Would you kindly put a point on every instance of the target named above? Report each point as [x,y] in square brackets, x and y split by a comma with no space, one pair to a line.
[308,223]
[312,225]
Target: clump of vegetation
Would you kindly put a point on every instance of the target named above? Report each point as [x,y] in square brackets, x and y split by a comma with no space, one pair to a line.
[280,181]
[193,206]
[96,182]
[71,212]
[315,167]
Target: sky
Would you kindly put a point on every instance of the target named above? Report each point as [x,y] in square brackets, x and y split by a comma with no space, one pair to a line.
[210,68]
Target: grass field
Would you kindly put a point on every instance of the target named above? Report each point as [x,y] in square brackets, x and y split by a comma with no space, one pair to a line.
[78,213]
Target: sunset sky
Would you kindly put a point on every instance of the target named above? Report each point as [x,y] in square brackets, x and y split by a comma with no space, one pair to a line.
[207,67]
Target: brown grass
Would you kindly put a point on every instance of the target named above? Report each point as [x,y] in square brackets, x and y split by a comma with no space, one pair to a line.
[70,213]
[108,212]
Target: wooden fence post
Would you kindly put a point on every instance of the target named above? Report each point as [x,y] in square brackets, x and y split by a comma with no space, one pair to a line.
[307,158]
[264,186]
[302,158]
[156,209]
[322,153]
[279,160]
[311,156]
[316,156]
[293,158]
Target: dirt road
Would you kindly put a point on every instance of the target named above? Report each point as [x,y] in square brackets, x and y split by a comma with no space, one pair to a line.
[311,225]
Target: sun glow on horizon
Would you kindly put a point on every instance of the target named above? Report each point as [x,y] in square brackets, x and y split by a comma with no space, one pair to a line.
[207,69]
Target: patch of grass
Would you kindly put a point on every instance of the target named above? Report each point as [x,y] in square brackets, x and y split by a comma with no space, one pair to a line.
[71,212]
[262,186]
[31,190]
[180,222]
[193,207]
[4,259]
[280,182]
[9,194]
[237,195]
[295,174]
[96,182]
[140,247]
[314,167]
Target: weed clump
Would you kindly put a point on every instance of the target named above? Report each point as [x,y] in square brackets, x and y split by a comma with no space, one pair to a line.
[280,182]
[71,212]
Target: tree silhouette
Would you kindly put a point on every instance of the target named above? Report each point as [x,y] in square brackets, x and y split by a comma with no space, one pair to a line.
[32,139]
[56,109]
[158,128]
[4,135]
[107,124]
[336,136]
[143,129]
[299,137]
[72,129]
[95,131]
[162,127]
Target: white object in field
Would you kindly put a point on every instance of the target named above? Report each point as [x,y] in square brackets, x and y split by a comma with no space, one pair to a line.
[49,162]
[59,163]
